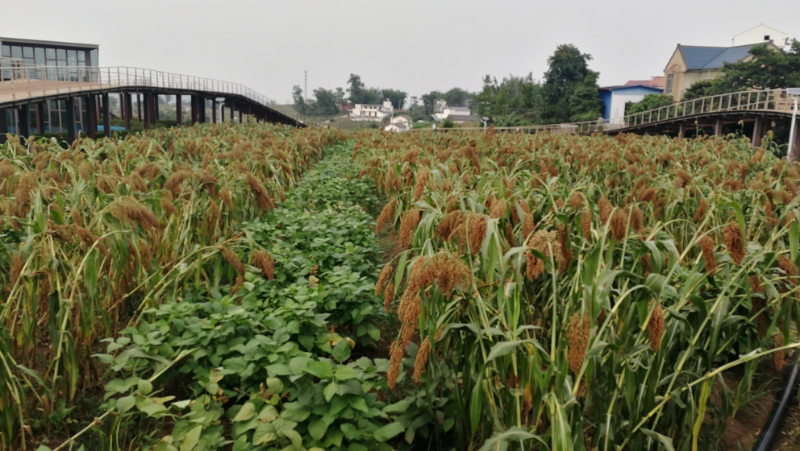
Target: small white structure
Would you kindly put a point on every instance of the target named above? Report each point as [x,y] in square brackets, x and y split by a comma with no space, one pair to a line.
[399,124]
[457,114]
[761,34]
[616,97]
[371,112]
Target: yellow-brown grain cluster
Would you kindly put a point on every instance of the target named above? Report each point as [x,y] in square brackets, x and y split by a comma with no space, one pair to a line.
[262,259]
[386,272]
[408,225]
[578,332]
[707,246]
[732,236]
[546,242]
[655,327]
[422,359]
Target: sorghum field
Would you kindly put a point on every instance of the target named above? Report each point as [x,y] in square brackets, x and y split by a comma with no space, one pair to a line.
[255,287]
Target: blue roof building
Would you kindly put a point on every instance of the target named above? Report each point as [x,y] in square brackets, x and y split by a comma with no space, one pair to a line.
[616,97]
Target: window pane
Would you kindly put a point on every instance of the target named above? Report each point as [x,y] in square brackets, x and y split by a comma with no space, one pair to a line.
[61,54]
[82,56]
[5,51]
[16,52]
[39,56]
[27,52]
[94,58]
[72,58]
[51,54]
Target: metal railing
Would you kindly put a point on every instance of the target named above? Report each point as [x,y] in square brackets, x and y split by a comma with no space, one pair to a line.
[774,100]
[20,83]
[763,100]
[566,128]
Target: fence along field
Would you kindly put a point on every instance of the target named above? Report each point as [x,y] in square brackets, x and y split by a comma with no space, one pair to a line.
[546,291]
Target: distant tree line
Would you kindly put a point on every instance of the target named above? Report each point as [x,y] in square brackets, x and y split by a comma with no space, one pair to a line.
[327,102]
[567,93]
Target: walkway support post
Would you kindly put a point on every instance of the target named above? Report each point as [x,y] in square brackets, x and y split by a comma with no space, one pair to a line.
[214,111]
[128,110]
[682,130]
[718,127]
[3,124]
[139,107]
[758,131]
[70,119]
[106,116]
[231,110]
[178,109]
[201,103]
[147,111]
[792,152]
[91,116]
[40,118]
[25,121]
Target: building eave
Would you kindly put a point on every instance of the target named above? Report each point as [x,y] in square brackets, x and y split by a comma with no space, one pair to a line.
[49,43]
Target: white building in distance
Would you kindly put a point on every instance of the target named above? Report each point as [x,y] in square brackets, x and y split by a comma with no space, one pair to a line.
[371,112]
[762,34]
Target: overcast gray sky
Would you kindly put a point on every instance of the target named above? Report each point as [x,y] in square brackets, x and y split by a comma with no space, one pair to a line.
[415,45]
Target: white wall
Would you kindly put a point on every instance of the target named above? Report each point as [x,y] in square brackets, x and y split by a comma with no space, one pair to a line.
[757,34]
[618,102]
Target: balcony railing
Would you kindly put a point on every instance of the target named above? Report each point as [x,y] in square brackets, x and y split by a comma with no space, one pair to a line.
[34,81]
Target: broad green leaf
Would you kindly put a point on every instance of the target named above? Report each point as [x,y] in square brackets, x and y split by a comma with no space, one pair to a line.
[344,373]
[384,433]
[264,433]
[295,438]
[247,412]
[330,390]
[267,414]
[398,407]
[145,387]
[317,429]
[794,240]
[191,439]
[341,352]
[125,404]
[322,370]
[350,431]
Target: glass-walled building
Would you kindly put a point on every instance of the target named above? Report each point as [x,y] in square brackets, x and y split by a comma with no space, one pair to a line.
[53,61]
[28,52]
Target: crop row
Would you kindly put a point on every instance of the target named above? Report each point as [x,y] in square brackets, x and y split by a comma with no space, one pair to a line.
[586,292]
[93,234]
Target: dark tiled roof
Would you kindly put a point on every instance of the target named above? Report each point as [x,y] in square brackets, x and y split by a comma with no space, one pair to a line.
[708,58]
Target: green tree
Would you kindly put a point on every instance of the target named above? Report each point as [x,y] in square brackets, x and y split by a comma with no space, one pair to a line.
[769,69]
[397,97]
[429,100]
[298,100]
[698,90]
[517,96]
[568,69]
[457,97]
[649,102]
[325,102]
[585,103]
[356,89]
[340,97]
